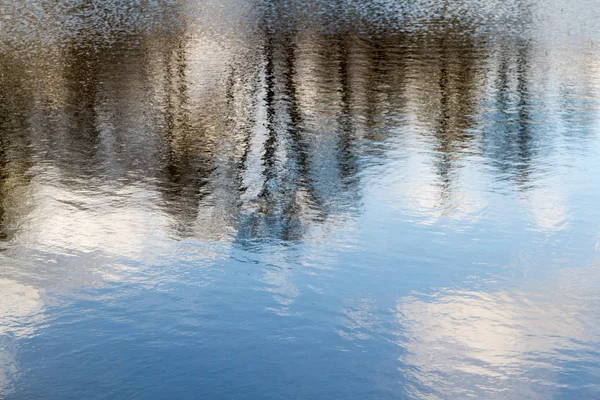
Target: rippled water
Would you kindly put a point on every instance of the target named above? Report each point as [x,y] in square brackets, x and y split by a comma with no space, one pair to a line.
[254,199]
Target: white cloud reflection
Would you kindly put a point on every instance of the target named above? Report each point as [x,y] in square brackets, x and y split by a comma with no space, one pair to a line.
[504,344]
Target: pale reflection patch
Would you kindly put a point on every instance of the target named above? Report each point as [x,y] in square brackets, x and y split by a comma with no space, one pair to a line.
[548,208]
[499,344]
[74,218]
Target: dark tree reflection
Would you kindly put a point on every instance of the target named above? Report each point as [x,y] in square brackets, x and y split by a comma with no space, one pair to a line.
[189,163]
[15,156]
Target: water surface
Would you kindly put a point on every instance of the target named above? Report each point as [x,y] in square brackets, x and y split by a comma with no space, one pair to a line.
[253,199]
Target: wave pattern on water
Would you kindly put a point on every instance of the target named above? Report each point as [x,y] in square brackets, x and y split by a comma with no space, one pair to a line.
[282,199]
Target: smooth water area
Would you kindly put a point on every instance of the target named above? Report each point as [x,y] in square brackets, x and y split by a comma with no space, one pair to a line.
[261,199]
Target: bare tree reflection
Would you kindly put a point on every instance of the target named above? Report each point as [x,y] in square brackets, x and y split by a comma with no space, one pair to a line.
[15,157]
[511,145]
[189,159]
[268,134]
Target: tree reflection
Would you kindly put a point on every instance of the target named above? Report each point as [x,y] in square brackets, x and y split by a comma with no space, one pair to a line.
[269,132]
[189,161]
[15,156]
[512,146]
[457,68]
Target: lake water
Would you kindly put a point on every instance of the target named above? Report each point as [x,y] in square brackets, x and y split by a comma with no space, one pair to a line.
[335,199]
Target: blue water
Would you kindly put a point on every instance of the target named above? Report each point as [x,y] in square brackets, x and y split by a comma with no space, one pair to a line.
[258,199]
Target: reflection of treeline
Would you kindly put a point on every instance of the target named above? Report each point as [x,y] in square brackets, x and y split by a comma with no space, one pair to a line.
[270,142]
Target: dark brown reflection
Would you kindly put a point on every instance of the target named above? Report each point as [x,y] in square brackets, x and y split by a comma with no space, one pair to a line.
[16,104]
[82,69]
